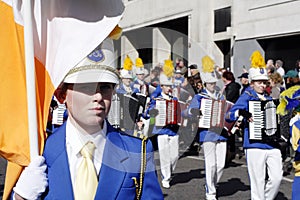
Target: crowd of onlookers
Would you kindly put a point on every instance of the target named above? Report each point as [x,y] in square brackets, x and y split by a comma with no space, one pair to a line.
[171,81]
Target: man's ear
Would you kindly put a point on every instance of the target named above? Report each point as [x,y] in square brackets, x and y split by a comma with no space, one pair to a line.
[62,97]
[61,93]
[114,91]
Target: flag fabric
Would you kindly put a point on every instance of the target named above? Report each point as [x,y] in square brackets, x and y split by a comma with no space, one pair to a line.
[64,32]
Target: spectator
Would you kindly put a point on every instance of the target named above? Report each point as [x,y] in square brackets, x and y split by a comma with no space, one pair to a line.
[231,88]
[292,78]
[270,69]
[178,79]
[155,76]
[244,81]
[181,67]
[270,63]
[279,67]
[276,82]
[297,67]
[231,92]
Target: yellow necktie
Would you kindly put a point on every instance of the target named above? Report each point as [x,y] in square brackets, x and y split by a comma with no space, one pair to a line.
[86,179]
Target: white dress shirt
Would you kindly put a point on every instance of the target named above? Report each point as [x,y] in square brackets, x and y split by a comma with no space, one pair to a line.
[74,143]
[165,96]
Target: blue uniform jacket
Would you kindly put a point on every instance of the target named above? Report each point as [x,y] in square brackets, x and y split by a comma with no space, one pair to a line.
[205,134]
[297,155]
[121,162]
[242,103]
[158,130]
[121,89]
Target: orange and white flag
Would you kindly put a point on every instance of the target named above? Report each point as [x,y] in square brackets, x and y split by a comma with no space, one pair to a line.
[64,32]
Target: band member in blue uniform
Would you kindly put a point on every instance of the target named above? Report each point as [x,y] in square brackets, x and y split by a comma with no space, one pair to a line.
[120,167]
[213,143]
[139,82]
[167,139]
[261,156]
[290,102]
[126,87]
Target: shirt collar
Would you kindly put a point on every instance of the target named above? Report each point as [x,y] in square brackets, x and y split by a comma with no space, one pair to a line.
[261,97]
[76,140]
[212,95]
[165,96]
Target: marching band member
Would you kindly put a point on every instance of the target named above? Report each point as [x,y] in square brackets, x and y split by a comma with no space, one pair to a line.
[126,90]
[86,158]
[167,139]
[126,87]
[213,143]
[260,154]
[290,101]
[139,82]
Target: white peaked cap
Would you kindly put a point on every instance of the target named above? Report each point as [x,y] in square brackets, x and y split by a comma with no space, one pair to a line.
[126,73]
[139,70]
[98,66]
[208,77]
[258,74]
[164,80]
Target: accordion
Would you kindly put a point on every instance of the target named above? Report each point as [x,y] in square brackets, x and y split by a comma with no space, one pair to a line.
[124,111]
[142,99]
[168,112]
[213,114]
[265,121]
[58,114]
[180,93]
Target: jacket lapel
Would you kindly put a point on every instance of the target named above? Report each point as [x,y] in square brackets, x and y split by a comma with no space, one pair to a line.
[58,167]
[112,171]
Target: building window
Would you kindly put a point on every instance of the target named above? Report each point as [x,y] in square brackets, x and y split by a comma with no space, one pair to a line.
[222,19]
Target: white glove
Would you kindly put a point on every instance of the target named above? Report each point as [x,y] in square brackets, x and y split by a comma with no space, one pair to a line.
[33,180]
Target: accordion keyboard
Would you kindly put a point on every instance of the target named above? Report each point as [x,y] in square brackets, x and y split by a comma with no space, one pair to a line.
[206,106]
[255,127]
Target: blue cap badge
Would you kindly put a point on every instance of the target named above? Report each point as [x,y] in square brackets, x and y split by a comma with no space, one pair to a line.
[261,70]
[97,55]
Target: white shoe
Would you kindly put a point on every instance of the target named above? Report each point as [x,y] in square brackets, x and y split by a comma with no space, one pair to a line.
[165,184]
[210,197]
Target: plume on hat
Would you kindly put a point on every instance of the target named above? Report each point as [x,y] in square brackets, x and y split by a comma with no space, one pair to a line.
[168,68]
[139,62]
[207,64]
[116,33]
[257,60]
[289,99]
[127,63]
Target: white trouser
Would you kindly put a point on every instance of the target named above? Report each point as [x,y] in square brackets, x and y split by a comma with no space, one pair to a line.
[168,154]
[215,156]
[258,160]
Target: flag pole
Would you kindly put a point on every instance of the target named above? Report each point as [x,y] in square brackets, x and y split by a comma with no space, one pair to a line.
[30,79]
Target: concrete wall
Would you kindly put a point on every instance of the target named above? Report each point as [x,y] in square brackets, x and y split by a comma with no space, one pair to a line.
[265,18]
[242,53]
[250,20]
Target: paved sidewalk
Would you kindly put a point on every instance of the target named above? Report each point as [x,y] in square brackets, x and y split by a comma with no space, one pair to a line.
[2,175]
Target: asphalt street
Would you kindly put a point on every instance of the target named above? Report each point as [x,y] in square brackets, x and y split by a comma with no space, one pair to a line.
[188,180]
